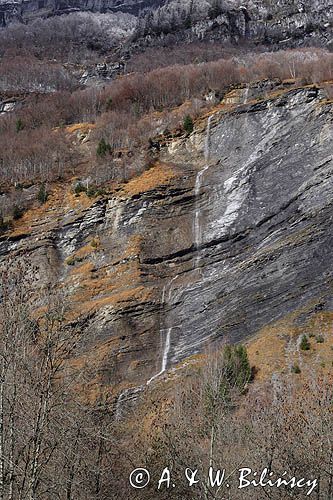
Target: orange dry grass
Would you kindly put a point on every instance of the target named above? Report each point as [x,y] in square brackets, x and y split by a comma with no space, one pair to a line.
[81,201]
[84,251]
[111,285]
[158,175]
[268,350]
[138,294]
[47,213]
[60,200]
[80,127]
[83,269]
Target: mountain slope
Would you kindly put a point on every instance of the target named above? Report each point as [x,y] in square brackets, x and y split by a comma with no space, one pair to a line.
[283,23]
[229,232]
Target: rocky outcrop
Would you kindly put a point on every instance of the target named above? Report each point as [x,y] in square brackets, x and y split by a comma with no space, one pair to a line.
[102,71]
[31,9]
[7,105]
[9,101]
[230,231]
[283,24]
[264,200]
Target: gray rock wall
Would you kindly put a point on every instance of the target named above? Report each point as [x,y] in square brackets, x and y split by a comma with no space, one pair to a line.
[238,238]
[284,23]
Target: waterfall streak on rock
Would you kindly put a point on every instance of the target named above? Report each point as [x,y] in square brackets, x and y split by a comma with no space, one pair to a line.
[167,343]
[198,183]
[246,94]
[166,351]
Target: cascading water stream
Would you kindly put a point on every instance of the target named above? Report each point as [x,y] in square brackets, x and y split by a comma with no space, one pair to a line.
[246,100]
[246,94]
[167,344]
[166,351]
[132,393]
[198,183]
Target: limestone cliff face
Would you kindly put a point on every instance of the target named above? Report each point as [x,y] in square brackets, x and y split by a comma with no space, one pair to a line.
[279,24]
[284,23]
[231,230]
[264,199]
[31,9]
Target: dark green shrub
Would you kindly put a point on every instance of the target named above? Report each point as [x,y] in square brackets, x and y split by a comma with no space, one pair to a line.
[296,369]
[4,225]
[320,339]
[109,103]
[79,188]
[94,191]
[42,194]
[233,372]
[103,148]
[215,10]
[19,125]
[188,22]
[17,212]
[238,369]
[188,124]
[305,344]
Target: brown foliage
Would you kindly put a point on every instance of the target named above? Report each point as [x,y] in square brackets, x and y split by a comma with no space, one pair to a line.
[27,74]
[284,425]
[129,111]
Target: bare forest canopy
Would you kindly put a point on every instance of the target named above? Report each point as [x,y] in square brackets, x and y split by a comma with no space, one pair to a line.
[58,446]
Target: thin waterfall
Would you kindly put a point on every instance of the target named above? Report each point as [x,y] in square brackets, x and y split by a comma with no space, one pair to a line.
[167,343]
[197,241]
[246,94]
[166,351]
[207,139]
[198,183]
[131,394]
